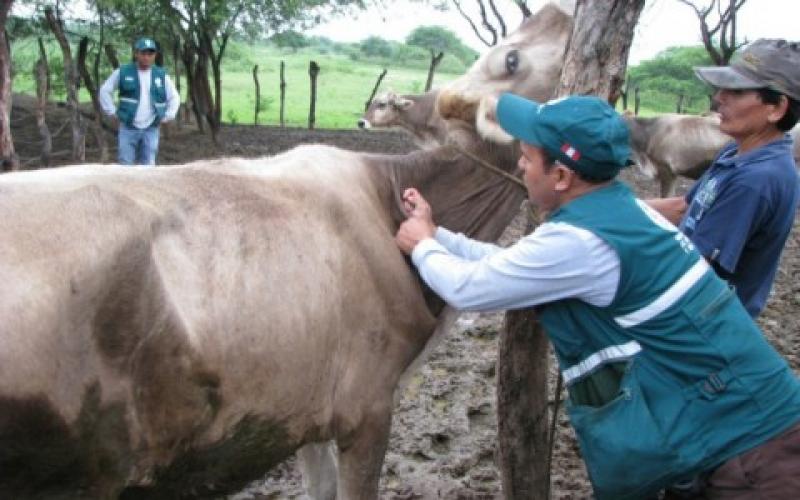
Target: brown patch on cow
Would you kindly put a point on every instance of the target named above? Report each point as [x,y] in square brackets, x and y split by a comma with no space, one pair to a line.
[253,447]
[452,106]
[139,332]
[41,456]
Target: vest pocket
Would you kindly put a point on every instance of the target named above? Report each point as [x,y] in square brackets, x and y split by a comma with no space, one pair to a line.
[624,449]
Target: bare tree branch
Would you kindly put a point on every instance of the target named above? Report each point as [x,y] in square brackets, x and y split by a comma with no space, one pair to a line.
[486,42]
[523,6]
[503,30]
[726,45]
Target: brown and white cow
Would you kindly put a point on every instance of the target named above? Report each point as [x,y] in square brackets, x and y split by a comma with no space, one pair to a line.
[413,113]
[673,144]
[175,332]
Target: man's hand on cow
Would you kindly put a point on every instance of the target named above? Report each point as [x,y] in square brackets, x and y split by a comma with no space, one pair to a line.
[419,224]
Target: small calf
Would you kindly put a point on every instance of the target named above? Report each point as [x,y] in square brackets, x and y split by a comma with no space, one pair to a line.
[415,113]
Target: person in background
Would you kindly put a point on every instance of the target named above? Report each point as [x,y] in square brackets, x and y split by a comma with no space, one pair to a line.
[668,375]
[741,211]
[147,98]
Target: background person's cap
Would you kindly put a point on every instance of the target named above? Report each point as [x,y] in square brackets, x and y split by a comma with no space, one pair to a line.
[582,132]
[765,63]
[145,43]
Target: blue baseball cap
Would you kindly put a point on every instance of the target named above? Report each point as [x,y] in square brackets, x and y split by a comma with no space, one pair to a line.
[583,132]
[145,43]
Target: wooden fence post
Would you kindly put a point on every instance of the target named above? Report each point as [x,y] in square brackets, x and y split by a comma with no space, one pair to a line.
[283,94]
[636,101]
[435,60]
[679,107]
[313,71]
[258,94]
[374,90]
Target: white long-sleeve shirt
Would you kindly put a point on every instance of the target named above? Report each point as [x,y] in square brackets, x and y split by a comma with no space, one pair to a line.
[556,261]
[144,113]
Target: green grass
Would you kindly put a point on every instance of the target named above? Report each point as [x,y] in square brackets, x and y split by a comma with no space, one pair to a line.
[343,85]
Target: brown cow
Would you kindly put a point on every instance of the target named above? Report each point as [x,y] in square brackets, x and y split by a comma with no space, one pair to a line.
[413,113]
[175,332]
[672,144]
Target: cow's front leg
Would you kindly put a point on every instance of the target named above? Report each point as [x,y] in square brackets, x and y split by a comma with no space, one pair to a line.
[361,455]
[318,465]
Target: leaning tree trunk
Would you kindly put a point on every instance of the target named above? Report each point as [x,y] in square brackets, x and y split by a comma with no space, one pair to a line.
[91,87]
[595,63]
[71,84]
[42,75]
[9,156]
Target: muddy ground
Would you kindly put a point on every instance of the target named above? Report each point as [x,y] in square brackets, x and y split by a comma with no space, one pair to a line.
[443,434]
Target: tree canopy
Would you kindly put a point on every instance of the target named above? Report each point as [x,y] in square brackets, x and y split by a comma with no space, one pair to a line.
[437,39]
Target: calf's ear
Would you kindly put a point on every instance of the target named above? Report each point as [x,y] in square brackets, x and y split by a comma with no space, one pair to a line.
[402,103]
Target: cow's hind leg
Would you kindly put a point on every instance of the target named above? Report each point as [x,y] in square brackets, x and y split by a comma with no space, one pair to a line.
[361,456]
[317,463]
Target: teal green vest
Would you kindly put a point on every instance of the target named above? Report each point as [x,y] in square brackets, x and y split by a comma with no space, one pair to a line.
[129,91]
[673,377]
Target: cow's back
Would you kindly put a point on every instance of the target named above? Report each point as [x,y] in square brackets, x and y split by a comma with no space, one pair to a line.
[193,325]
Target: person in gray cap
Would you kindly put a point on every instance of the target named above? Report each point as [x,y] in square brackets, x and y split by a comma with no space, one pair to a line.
[741,211]
[668,376]
[147,98]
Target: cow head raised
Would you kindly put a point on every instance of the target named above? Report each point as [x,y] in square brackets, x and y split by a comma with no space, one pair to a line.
[384,111]
[528,62]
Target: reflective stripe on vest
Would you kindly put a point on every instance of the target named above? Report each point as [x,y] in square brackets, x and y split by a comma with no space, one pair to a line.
[620,352]
[666,299]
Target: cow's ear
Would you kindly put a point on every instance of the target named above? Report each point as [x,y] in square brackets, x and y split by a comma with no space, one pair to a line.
[402,103]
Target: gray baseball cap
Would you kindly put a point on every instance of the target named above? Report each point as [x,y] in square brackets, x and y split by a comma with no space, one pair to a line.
[765,63]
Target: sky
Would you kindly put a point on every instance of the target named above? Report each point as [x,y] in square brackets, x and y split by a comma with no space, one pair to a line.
[662,24]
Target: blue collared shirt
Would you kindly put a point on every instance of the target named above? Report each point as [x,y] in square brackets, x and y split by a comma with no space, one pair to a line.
[740,214]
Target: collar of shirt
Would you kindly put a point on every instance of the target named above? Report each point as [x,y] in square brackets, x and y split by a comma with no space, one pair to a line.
[728,158]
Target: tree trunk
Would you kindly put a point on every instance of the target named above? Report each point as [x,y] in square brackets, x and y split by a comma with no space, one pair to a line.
[283,94]
[176,58]
[10,161]
[111,54]
[89,82]
[71,84]
[41,74]
[187,56]
[374,90]
[595,63]
[522,367]
[313,72]
[597,53]
[435,60]
[258,94]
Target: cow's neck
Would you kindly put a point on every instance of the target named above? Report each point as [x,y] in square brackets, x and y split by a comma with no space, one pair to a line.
[465,197]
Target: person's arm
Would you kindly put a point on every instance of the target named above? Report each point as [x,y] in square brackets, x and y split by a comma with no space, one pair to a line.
[557,261]
[106,93]
[672,209]
[173,100]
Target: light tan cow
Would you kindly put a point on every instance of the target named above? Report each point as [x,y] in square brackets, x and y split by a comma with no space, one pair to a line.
[413,113]
[175,332]
[527,63]
[670,145]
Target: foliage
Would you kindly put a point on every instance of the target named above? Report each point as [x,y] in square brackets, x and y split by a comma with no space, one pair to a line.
[438,39]
[291,39]
[670,74]
[376,46]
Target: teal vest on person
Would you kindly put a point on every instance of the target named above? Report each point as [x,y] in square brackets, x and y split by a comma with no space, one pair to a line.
[129,91]
[671,379]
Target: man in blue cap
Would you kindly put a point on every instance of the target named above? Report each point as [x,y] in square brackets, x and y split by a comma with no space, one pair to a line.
[668,376]
[147,98]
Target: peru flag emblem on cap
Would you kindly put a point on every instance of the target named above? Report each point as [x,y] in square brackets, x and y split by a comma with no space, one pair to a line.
[570,152]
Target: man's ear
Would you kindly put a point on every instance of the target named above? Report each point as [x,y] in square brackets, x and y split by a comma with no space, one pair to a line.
[565,177]
[779,110]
